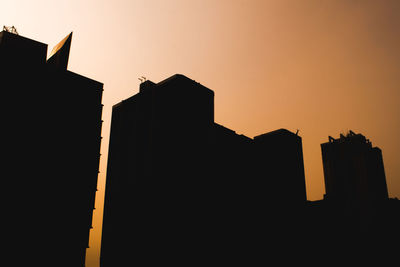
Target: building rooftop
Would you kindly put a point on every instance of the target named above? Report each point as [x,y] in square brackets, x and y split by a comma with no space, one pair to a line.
[279,132]
[349,137]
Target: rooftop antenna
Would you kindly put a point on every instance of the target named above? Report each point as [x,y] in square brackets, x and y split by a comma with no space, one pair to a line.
[144,78]
[11,29]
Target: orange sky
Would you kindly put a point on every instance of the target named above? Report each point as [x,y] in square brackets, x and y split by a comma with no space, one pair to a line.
[320,66]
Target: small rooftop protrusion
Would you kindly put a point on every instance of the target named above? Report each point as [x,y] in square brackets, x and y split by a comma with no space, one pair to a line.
[145,85]
[350,137]
[60,54]
[11,29]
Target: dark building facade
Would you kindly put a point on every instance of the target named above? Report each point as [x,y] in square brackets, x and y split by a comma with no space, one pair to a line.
[353,169]
[181,186]
[356,206]
[51,141]
[281,152]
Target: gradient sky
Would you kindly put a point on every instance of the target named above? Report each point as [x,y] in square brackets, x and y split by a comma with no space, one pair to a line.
[323,67]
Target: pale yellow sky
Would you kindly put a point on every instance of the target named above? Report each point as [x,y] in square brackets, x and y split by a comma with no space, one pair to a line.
[320,66]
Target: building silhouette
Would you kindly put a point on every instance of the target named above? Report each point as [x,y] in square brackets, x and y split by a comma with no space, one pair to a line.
[356,207]
[181,186]
[355,183]
[353,169]
[283,151]
[51,130]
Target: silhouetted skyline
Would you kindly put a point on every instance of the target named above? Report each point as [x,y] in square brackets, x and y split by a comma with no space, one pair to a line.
[179,182]
[322,67]
[173,173]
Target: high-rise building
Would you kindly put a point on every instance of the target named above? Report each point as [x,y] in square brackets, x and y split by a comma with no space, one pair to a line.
[279,156]
[158,155]
[353,170]
[356,206]
[51,133]
[180,186]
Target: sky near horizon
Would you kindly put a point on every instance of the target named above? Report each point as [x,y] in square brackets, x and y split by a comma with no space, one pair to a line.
[323,67]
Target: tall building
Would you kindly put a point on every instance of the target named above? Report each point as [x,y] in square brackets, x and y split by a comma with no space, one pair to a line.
[356,207]
[353,170]
[51,142]
[281,190]
[157,158]
[283,152]
[180,186]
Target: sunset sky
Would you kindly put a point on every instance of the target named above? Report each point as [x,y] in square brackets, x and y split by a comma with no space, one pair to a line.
[323,67]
